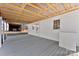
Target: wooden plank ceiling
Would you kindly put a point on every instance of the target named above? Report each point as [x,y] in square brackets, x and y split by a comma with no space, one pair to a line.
[31,12]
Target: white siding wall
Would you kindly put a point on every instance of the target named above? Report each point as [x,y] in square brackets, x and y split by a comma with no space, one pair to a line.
[45,29]
[70,24]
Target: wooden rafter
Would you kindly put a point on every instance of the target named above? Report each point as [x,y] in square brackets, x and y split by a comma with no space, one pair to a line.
[67,6]
[72,5]
[24,4]
[40,10]
[7,12]
[11,18]
[68,10]
[17,15]
[51,7]
[34,13]
[35,6]
[17,12]
[57,6]
[20,12]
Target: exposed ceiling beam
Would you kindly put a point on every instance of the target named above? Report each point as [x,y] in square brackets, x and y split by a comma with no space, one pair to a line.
[24,4]
[20,10]
[34,6]
[34,13]
[57,6]
[67,6]
[12,19]
[68,10]
[40,10]
[14,14]
[9,9]
[51,7]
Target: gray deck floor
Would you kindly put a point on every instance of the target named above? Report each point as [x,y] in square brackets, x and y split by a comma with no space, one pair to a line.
[28,45]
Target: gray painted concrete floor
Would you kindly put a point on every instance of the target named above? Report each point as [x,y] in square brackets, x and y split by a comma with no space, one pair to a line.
[28,45]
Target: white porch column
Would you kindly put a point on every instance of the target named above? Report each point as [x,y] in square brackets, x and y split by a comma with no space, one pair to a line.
[1,31]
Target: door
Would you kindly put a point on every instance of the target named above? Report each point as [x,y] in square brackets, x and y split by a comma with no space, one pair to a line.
[67,40]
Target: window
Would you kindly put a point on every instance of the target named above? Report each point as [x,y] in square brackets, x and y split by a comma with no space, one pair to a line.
[56,24]
[32,27]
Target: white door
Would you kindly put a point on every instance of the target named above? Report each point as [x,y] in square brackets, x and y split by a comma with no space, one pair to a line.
[68,40]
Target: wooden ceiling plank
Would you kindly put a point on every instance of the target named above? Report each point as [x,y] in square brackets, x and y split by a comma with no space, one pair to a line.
[34,6]
[35,13]
[3,11]
[39,16]
[13,16]
[17,12]
[24,4]
[14,19]
[40,10]
[57,6]
[67,6]
[18,18]
[68,10]
[51,7]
